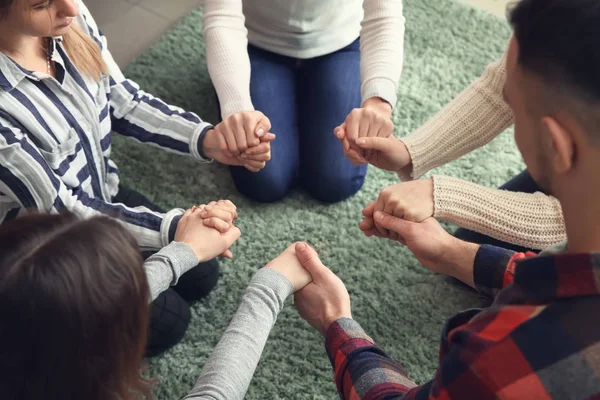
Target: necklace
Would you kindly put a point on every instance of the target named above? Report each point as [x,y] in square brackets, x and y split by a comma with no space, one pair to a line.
[48,57]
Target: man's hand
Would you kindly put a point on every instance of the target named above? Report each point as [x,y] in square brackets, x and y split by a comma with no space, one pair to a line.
[242,139]
[388,153]
[412,201]
[435,248]
[326,299]
[288,264]
[207,242]
[372,120]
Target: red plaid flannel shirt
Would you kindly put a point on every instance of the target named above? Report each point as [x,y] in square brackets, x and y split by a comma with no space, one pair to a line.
[539,340]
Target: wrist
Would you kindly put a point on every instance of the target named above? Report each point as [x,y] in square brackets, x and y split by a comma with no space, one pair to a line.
[377,103]
[209,144]
[330,320]
[460,259]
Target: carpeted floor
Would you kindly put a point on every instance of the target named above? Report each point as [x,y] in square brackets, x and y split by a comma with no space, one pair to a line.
[398,302]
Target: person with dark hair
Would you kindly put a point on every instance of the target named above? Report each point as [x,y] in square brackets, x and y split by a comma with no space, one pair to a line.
[540,338]
[74,305]
[62,98]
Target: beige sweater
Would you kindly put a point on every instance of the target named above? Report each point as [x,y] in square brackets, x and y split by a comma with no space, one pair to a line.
[471,120]
[302,29]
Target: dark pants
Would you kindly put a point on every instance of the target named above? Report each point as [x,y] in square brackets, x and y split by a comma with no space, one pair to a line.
[170,312]
[520,183]
[305,100]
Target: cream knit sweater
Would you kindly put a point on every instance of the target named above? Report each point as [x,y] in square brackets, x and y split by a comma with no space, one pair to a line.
[471,120]
[302,29]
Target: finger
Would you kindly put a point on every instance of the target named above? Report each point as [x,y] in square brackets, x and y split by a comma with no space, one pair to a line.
[218,224]
[255,166]
[229,136]
[310,260]
[256,157]
[392,223]
[375,143]
[264,147]
[269,137]
[355,157]
[216,212]
[262,127]
[240,132]
[369,209]
[231,236]
[227,254]
[367,224]
[380,206]
[352,126]
[222,142]
[340,132]
[228,205]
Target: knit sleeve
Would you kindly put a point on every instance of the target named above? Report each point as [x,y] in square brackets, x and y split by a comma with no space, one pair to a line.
[530,220]
[227,54]
[471,120]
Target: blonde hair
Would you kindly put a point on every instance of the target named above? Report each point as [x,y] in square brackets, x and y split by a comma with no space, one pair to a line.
[84,53]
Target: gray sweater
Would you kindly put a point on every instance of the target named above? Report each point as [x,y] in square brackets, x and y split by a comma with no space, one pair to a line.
[226,375]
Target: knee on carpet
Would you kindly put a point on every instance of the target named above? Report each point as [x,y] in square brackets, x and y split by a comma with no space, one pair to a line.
[268,190]
[331,188]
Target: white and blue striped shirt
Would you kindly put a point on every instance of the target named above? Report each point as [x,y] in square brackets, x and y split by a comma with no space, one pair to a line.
[55,140]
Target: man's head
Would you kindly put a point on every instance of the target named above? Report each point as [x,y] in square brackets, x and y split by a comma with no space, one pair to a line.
[553,88]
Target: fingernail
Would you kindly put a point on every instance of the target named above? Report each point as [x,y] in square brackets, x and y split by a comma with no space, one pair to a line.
[260,132]
[203,214]
[243,156]
[361,141]
[208,208]
[379,215]
[338,134]
[301,247]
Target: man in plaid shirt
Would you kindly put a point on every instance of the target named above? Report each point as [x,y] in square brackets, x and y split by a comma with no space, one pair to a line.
[540,339]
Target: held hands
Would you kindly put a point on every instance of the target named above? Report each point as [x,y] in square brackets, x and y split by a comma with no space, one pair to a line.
[241,139]
[325,299]
[289,265]
[373,120]
[412,201]
[209,230]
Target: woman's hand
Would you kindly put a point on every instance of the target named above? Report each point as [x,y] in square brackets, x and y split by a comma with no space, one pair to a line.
[373,119]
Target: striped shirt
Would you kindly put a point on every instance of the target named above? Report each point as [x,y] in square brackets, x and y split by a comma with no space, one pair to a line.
[539,340]
[55,139]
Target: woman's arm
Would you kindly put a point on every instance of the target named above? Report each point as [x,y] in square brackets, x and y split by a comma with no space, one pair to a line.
[141,116]
[381,49]
[27,179]
[227,54]
[164,268]
[228,372]
[532,220]
[471,120]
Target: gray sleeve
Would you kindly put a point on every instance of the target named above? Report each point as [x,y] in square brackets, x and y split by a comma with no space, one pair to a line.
[164,268]
[228,372]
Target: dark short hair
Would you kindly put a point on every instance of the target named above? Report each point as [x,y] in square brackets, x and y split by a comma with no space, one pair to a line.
[559,40]
[74,305]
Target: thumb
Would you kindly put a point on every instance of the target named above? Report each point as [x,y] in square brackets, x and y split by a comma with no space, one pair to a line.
[231,235]
[340,131]
[391,223]
[262,127]
[310,260]
[374,143]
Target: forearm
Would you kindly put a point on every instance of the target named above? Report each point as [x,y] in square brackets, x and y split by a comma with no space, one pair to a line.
[227,54]
[361,369]
[530,220]
[471,120]
[229,370]
[164,268]
[382,49]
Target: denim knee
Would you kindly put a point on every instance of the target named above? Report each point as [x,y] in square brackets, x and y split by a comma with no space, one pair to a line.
[263,186]
[333,189]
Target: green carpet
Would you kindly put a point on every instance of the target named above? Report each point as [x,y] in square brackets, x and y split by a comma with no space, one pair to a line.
[398,302]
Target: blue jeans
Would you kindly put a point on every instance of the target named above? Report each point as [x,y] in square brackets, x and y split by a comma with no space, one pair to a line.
[305,100]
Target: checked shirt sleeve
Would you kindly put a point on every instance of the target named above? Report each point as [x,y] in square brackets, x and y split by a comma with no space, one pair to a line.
[361,369]
[494,268]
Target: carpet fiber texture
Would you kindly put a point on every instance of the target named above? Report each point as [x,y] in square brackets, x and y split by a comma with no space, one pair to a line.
[400,304]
